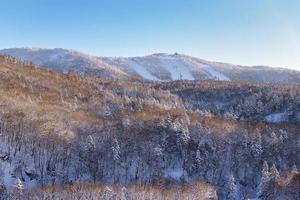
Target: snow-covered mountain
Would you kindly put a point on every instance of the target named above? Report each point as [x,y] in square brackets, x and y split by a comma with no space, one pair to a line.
[177,66]
[167,67]
[66,61]
[161,66]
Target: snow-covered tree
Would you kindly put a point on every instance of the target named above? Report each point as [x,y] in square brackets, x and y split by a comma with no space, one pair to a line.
[294,169]
[1,175]
[283,135]
[199,159]
[157,151]
[90,144]
[274,137]
[274,172]
[90,157]
[126,123]
[265,171]
[124,194]
[167,122]
[265,178]
[107,193]
[231,188]
[256,146]
[183,134]
[116,149]
[19,185]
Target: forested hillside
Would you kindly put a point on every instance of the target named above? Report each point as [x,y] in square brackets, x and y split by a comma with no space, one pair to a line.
[65,136]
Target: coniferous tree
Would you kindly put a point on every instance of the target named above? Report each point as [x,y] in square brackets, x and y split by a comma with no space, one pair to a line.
[107,193]
[274,174]
[294,169]
[232,188]
[265,178]
[116,149]
[90,145]
[124,194]
[90,157]
[198,158]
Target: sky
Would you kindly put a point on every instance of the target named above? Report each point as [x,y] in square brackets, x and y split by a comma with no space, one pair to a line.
[245,32]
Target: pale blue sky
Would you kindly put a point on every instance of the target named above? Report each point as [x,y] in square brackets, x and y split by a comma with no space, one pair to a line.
[248,32]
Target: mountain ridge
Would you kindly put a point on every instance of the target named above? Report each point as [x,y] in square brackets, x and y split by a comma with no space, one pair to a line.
[147,55]
[153,67]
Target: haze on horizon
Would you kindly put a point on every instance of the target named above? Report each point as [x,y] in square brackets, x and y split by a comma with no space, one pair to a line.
[257,32]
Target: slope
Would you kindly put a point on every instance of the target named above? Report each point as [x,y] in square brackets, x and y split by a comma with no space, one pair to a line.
[156,67]
[60,128]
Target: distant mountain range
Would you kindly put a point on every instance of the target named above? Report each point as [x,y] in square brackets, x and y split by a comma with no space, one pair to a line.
[156,67]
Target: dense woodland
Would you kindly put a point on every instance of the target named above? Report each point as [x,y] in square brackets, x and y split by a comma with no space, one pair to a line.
[64,136]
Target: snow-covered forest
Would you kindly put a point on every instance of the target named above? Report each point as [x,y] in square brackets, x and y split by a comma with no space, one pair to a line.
[65,136]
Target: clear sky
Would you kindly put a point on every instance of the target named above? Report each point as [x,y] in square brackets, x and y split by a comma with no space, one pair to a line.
[248,32]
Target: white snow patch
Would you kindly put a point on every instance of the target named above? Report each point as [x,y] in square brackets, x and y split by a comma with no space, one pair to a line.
[175,173]
[277,117]
[177,69]
[298,117]
[7,179]
[215,74]
[139,69]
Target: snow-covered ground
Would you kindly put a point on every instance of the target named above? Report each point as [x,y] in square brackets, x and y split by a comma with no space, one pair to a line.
[277,117]
[9,179]
[140,70]
[177,69]
[7,169]
[174,173]
[14,167]
[214,74]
